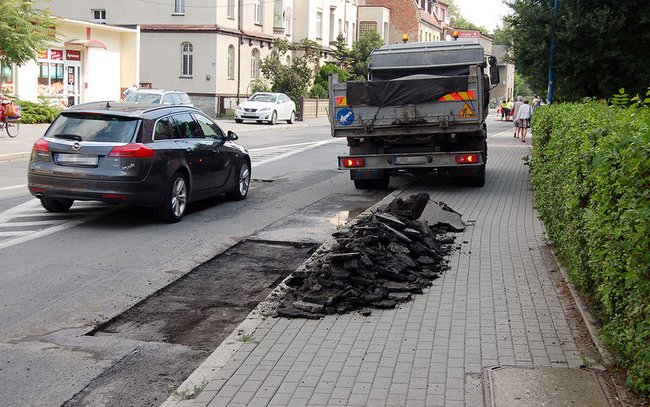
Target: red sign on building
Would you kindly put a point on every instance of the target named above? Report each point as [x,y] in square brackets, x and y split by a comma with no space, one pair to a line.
[56,54]
[71,55]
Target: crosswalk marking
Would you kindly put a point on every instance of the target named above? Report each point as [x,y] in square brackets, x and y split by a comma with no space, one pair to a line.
[30,220]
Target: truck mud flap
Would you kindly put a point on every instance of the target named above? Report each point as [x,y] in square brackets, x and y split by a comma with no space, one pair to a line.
[367,174]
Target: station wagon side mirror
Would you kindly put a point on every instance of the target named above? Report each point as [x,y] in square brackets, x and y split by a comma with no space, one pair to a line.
[232,136]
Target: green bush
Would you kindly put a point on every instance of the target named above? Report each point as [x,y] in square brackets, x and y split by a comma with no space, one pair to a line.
[37,112]
[591,175]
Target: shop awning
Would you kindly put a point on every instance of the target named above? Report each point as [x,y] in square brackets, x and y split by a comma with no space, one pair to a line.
[87,43]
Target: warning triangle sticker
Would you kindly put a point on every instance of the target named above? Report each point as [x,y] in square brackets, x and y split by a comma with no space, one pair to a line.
[465,112]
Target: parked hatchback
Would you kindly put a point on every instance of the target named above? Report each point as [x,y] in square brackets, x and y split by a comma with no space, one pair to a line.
[160,96]
[147,155]
[266,106]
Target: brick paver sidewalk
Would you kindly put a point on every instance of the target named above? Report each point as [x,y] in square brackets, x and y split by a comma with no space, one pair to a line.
[496,306]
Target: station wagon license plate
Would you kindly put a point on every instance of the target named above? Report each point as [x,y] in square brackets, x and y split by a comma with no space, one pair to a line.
[76,160]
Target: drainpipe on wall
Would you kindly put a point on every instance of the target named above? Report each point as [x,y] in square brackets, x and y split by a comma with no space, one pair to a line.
[240,39]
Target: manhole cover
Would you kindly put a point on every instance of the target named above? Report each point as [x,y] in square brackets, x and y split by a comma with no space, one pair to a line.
[557,387]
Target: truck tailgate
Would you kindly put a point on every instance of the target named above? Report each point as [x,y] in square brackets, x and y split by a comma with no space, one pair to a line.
[411,106]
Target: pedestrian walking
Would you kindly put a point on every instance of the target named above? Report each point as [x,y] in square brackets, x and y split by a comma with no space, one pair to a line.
[513,112]
[505,109]
[500,109]
[522,119]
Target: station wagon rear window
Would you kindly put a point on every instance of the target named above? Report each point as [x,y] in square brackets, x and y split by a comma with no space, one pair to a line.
[93,127]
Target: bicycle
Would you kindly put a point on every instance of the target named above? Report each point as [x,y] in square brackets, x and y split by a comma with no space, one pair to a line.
[10,117]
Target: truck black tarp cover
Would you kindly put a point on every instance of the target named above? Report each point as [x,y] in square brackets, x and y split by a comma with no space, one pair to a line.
[409,90]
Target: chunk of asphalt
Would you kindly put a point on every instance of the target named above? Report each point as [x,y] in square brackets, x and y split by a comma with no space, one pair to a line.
[439,215]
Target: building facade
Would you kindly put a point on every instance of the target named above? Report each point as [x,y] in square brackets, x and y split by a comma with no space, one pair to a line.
[86,62]
[213,49]
[414,20]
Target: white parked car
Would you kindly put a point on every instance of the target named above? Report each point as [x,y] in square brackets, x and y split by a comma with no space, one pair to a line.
[268,107]
[159,96]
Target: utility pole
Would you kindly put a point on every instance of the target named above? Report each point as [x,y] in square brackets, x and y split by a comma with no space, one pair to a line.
[551,75]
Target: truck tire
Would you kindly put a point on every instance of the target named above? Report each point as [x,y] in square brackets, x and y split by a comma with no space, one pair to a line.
[381,183]
[476,181]
[362,183]
[479,180]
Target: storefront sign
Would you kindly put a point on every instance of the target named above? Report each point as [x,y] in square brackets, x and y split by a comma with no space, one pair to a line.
[42,54]
[56,54]
[71,55]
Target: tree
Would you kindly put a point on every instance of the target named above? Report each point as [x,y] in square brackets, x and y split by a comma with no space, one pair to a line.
[600,46]
[461,23]
[342,53]
[25,31]
[294,78]
[361,50]
[503,35]
[321,83]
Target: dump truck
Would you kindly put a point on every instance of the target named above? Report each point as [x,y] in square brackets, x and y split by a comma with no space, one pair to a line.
[422,110]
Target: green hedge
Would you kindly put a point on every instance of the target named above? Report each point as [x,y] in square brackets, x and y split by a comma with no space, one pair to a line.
[37,112]
[591,175]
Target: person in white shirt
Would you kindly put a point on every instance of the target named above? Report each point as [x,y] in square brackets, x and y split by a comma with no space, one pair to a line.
[130,89]
[522,118]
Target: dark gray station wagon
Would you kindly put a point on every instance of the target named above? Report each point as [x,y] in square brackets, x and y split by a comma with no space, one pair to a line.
[147,155]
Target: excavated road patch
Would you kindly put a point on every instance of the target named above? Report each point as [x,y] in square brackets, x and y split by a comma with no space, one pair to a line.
[179,326]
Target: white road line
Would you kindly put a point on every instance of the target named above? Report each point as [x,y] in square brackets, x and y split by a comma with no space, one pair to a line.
[308,146]
[48,231]
[286,146]
[13,187]
[16,233]
[33,207]
[31,223]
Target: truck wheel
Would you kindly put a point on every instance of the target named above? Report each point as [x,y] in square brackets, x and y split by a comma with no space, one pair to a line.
[362,183]
[476,181]
[479,180]
[381,183]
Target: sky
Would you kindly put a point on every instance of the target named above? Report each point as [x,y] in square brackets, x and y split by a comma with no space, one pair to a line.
[486,13]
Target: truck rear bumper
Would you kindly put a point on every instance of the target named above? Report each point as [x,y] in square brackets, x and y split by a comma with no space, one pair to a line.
[461,159]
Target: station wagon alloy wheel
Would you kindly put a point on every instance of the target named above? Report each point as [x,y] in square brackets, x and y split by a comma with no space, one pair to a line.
[179,197]
[173,208]
[243,184]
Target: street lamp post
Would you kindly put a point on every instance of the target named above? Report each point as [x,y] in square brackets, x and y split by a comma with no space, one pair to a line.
[551,75]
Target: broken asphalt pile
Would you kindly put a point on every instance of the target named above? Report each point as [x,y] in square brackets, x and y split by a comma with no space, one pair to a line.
[380,260]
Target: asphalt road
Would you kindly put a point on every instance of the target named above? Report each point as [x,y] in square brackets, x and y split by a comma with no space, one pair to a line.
[61,276]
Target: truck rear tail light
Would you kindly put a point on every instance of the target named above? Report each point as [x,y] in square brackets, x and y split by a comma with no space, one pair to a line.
[41,146]
[131,150]
[467,158]
[353,162]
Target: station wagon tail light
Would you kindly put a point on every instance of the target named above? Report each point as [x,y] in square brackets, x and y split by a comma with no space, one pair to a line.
[353,162]
[467,158]
[41,146]
[131,150]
